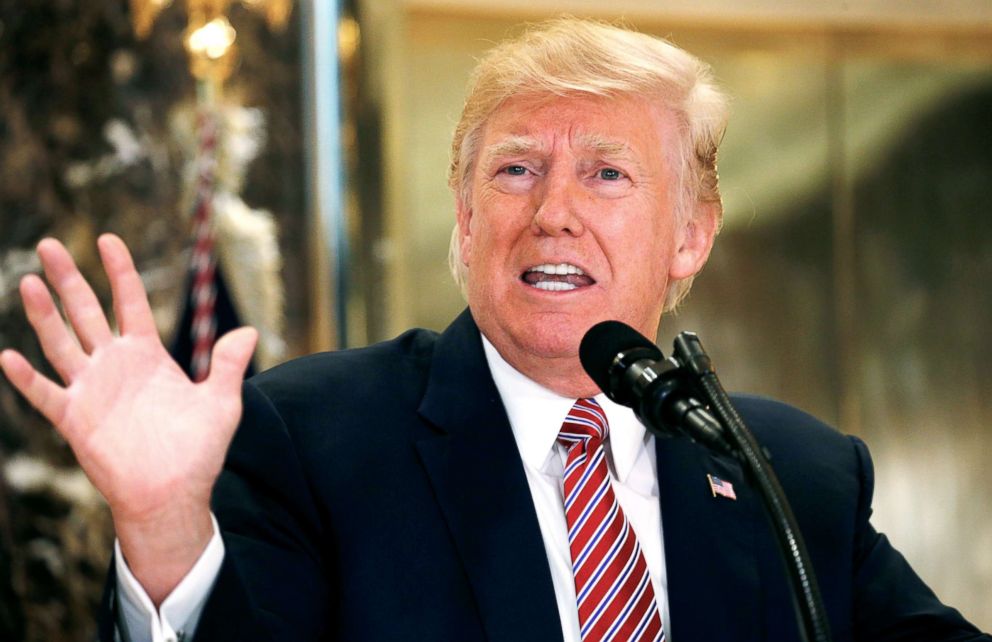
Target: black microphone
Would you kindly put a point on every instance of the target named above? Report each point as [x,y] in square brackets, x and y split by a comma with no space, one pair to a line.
[633,372]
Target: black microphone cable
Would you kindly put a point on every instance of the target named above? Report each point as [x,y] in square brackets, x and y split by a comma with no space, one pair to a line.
[813,618]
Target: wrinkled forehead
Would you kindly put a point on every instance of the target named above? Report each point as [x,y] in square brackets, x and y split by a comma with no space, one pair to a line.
[592,143]
[608,127]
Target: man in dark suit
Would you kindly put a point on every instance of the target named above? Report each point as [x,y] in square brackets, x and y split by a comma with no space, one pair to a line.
[475,485]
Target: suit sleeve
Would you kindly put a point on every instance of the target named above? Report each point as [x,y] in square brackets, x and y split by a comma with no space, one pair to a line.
[273,583]
[891,602]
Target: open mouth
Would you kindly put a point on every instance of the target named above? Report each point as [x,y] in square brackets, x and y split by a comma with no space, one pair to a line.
[556,277]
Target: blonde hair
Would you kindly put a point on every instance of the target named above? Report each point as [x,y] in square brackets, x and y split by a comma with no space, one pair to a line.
[570,56]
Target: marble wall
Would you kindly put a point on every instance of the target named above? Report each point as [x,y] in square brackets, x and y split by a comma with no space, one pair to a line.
[87,146]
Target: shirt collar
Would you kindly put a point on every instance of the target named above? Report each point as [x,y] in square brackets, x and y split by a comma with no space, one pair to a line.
[536,415]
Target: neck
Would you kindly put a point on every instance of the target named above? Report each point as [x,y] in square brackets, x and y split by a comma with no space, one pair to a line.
[562,375]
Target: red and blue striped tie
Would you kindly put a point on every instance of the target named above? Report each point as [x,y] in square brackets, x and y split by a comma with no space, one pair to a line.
[612,586]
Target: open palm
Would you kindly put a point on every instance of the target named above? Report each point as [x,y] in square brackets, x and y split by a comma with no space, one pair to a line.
[151,440]
[141,429]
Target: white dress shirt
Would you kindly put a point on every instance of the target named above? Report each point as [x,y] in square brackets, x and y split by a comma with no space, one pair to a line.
[536,415]
[180,612]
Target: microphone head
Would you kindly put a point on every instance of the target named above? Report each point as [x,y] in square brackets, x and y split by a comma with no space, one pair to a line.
[599,351]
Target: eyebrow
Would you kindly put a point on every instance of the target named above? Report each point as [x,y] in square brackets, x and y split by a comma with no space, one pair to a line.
[602,146]
[510,146]
[612,149]
[597,144]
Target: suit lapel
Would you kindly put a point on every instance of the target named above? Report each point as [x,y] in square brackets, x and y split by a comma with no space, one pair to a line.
[475,469]
[710,556]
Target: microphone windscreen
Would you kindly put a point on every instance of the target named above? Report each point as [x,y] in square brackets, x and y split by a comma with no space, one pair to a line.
[604,341]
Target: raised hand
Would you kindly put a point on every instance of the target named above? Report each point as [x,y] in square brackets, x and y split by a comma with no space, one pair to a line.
[151,441]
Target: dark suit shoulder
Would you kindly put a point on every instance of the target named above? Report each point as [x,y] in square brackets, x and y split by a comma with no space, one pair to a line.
[827,475]
[356,374]
[792,434]
[779,419]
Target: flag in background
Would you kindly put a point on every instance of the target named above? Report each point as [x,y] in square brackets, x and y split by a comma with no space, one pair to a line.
[224,318]
[208,310]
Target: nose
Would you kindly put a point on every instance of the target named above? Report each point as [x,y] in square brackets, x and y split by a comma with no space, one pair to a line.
[556,206]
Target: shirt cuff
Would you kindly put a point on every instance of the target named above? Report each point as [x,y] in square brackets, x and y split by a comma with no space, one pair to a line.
[176,619]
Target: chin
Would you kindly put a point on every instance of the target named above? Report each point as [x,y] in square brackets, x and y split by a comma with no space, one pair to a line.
[552,339]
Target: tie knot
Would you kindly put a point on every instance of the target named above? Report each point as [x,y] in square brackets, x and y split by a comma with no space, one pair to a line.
[585,421]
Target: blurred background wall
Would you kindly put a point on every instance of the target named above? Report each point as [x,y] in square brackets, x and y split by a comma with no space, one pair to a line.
[95,129]
[851,278]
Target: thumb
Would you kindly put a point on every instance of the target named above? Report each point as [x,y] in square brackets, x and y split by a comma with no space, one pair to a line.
[229,360]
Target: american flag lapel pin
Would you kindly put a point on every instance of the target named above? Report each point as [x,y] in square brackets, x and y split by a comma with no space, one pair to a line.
[721,488]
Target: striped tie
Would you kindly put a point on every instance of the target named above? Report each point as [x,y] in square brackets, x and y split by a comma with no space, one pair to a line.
[612,586]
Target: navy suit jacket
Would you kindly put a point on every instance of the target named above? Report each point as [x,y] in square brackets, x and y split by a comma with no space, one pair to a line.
[378,494]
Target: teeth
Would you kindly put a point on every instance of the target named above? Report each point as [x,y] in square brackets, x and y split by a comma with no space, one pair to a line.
[560,268]
[554,286]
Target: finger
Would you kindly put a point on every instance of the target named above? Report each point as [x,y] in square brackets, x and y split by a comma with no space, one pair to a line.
[57,343]
[229,360]
[41,392]
[78,299]
[134,315]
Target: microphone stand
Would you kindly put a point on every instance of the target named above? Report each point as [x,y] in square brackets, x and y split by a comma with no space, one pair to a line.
[807,600]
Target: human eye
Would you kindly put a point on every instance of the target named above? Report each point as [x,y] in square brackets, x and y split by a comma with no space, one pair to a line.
[515,178]
[514,170]
[610,174]
[609,181]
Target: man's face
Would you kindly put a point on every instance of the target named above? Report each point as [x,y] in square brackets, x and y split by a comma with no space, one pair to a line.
[571,222]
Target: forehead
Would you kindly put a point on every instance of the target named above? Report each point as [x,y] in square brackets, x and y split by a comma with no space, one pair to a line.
[610,126]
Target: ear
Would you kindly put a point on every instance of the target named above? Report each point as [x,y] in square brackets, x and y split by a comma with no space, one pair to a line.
[697,236]
[463,216]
